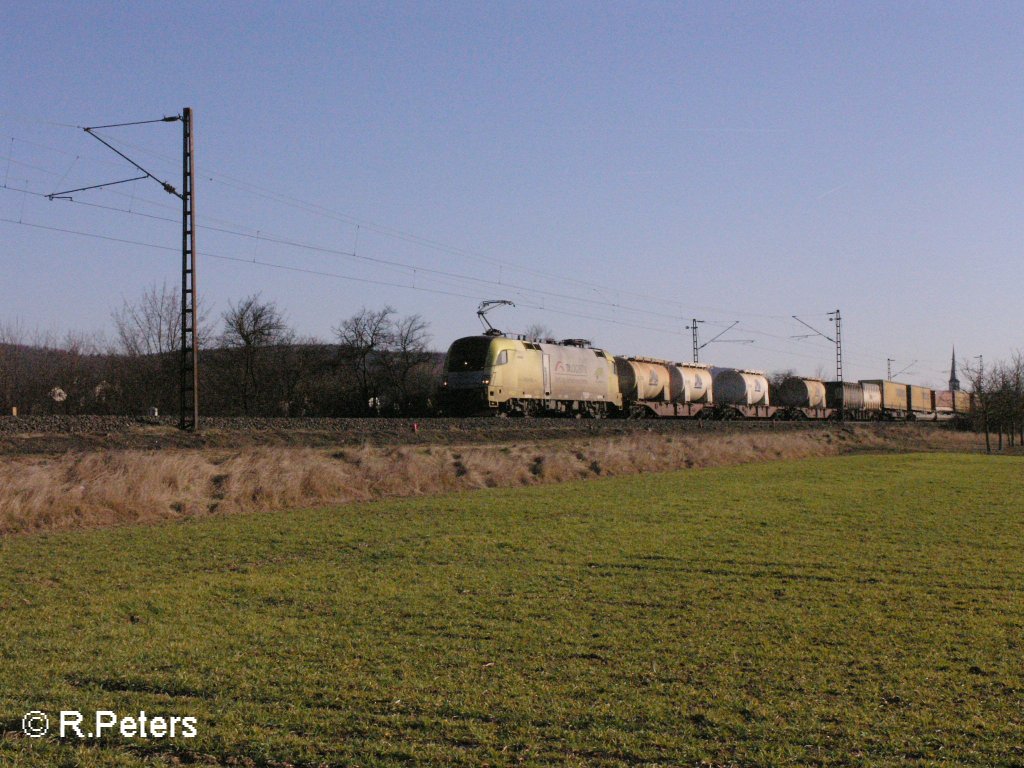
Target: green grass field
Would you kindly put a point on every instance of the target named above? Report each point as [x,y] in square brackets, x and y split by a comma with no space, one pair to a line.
[853,611]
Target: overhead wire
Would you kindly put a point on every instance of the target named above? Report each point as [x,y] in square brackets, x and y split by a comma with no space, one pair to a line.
[394,264]
[523,291]
[318,209]
[323,211]
[324,273]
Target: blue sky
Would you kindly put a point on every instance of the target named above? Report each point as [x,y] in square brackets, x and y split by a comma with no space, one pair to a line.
[614,168]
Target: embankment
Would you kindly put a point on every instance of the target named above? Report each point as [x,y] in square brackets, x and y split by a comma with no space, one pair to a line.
[40,492]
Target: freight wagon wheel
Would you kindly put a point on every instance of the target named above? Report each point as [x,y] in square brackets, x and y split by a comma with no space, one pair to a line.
[636,411]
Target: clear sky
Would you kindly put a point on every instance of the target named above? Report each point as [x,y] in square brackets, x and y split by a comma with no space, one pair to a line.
[614,168]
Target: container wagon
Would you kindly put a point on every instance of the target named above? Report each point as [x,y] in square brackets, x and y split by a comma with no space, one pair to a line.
[893,397]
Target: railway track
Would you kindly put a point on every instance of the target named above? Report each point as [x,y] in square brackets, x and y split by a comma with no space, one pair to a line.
[53,434]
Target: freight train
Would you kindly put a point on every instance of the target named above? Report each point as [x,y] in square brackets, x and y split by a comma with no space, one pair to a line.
[498,374]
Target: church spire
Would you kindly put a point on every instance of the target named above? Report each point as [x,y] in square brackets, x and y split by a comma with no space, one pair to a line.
[954,382]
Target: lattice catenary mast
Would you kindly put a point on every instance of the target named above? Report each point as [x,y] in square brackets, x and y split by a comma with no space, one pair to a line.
[189,407]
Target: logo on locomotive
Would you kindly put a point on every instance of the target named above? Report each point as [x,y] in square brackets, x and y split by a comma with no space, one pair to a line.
[570,369]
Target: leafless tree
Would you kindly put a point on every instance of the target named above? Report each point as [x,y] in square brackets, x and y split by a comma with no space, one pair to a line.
[406,356]
[152,324]
[78,371]
[149,335]
[250,328]
[364,338]
[998,391]
[389,360]
[775,378]
[538,331]
[12,364]
[1006,395]
[1017,382]
[978,380]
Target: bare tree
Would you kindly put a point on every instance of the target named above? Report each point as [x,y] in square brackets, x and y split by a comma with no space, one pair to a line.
[979,382]
[364,338]
[251,327]
[775,378]
[539,332]
[12,365]
[1006,399]
[78,372]
[151,325]
[407,353]
[149,333]
[1017,380]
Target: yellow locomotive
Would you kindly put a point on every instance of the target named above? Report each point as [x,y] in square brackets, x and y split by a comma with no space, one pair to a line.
[519,376]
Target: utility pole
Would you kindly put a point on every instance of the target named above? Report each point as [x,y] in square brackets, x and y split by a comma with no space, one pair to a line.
[696,348]
[839,344]
[189,408]
[838,340]
[888,368]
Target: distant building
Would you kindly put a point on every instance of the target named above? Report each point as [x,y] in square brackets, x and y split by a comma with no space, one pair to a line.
[954,382]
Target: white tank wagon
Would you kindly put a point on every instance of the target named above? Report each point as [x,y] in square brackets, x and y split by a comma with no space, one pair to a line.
[742,392]
[797,392]
[651,387]
[697,384]
[802,398]
[739,387]
[650,379]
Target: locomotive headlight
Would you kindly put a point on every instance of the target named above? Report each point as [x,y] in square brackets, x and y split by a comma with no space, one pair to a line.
[485,380]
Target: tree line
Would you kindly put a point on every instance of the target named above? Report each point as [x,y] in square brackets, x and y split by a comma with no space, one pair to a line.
[999,400]
[252,363]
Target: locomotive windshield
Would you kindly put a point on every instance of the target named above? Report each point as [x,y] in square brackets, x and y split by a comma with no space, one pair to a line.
[468,354]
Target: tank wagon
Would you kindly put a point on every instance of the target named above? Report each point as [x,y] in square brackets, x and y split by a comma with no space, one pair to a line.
[801,398]
[743,393]
[651,387]
[512,375]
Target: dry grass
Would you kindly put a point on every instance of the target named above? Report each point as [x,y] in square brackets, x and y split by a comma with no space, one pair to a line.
[116,487]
